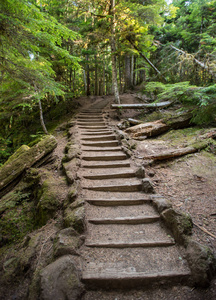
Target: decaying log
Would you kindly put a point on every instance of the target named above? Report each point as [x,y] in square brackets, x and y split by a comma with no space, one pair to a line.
[178,152]
[141,105]
[148,129]
[155,128]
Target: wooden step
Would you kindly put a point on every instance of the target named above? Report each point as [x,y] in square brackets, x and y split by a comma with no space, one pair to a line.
[100,149]
[101,143]
[91,123]
[104,156]
[121,244]
[128,173]
[118,202]
[133,267]
[113,185]
[92,127]
[104,132]
[99,138]
[106,164]
[126,220]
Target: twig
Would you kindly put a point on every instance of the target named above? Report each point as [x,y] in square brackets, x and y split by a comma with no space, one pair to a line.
[205,230]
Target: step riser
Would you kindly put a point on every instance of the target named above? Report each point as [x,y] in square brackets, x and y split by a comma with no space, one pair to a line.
[99,144]
[104,138]
[131,245]
[104,158]
[132,188]
[121,282]
[101,149]
[91,123]
[97,133]
[92,127]
[118,202]
[110,176]
[106,166]
[126,221]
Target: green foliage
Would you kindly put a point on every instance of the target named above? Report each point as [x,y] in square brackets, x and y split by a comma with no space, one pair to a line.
[202,99]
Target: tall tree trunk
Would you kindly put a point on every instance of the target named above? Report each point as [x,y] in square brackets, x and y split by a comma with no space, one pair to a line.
[104,77]
[41,118]
[41,111]
[113,51]
[85,81]
[96,76]
[127,72]
[120,74]
[88,92]
[132,71]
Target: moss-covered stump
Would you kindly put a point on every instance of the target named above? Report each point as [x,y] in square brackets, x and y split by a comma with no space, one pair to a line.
[60,280]
[23,159]
[50,196]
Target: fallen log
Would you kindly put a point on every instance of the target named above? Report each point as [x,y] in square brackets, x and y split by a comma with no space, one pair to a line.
[24,158]
[178,152]
[141,105]
[134,122]
[155,128]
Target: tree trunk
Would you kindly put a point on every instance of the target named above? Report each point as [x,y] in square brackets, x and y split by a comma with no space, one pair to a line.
[96,76]
[132,71]
[127,72]
[41,118]
[88,92]
[113,52]
[84,79]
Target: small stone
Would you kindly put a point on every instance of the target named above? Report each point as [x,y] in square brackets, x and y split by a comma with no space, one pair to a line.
[147,186]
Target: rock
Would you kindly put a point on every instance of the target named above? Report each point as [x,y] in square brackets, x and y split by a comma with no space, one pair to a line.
[122,135]
[147,186]
[140,173]
[70,168]
[123,124]
[49,197]
[161,203]
[75,218]
[23,159]
[180,224]
[67,242]
[71,151]
[202,263]
[60,280]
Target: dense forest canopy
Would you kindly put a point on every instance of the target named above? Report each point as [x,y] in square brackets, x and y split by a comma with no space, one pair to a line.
[53,51]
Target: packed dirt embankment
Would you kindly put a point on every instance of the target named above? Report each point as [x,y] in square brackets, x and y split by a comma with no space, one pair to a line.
[90,212]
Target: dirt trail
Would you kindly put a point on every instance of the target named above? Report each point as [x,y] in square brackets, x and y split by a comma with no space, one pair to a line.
[126,245]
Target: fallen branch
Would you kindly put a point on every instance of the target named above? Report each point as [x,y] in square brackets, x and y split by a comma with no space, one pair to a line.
[205,230]
[134,122]
[178,152]
[138,106]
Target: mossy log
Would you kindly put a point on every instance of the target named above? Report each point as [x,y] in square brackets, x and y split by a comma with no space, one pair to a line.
[178,152]
[158,127]
[24,158]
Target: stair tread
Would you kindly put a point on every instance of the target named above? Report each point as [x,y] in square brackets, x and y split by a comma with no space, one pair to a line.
[106,164]
[127,233]
[124,220]
[134,262]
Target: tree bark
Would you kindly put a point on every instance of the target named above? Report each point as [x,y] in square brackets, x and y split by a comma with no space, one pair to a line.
[41,118]
[113,52]
[88,93]
[127,72]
